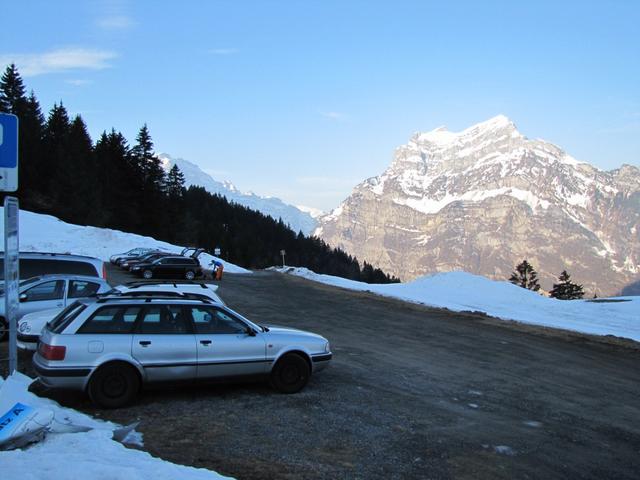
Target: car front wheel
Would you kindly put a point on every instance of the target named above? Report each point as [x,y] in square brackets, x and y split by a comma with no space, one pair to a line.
[114,385]
[147,274]
[291,374]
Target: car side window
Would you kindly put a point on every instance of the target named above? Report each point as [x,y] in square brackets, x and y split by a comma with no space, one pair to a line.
[111,320]
[164,319]
[81,289]
[213,320]
[53,290]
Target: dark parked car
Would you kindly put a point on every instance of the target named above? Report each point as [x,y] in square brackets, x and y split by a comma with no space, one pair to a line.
[128,263]
[134,252]
[174,267]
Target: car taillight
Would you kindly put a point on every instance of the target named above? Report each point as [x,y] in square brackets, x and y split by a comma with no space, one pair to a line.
[52,352]
[104,270]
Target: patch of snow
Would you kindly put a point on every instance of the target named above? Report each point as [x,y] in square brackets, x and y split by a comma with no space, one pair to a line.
[532,424]
[45,233]
[461,291]
[71,456]
[504,450]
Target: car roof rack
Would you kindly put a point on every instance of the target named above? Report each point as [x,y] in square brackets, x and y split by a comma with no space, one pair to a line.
[53,254]
[175,283]
[148,297]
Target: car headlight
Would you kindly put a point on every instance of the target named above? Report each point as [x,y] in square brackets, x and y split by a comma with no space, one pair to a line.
[327,347]
[24,327]
[135,268]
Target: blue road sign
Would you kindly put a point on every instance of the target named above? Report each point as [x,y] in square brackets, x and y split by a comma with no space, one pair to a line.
[8,152]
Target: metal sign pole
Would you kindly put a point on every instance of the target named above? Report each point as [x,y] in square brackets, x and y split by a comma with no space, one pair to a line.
[11,277]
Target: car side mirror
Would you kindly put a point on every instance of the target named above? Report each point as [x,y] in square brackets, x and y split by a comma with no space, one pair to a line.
[23,297]
[250,331]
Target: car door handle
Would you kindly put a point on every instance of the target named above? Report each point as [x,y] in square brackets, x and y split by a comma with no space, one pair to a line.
[205,342]
[145,343]
[59,304]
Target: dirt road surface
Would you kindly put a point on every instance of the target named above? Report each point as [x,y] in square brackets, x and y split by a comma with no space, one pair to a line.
[412,393]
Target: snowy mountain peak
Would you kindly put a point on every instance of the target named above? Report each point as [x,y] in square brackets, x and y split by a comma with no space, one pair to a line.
[297,219]
[496,127]
[446,194]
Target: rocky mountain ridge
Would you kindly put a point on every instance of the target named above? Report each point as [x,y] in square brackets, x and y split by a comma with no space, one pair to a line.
[483,199]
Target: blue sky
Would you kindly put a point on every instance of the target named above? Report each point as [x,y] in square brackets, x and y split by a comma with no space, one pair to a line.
[304,99]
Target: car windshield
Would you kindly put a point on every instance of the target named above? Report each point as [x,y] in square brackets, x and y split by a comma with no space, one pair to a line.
[65,317]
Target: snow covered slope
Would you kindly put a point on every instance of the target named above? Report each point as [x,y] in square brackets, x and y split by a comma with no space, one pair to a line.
[297,218]
[461,291]
[44,233]
[484,199]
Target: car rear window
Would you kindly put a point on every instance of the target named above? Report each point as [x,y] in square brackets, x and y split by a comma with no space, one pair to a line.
[65,317]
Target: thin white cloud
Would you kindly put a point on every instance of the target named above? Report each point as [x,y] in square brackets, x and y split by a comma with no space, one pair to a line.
[78,82]
[333,115]
[60,60]
[223,51]
[116,22]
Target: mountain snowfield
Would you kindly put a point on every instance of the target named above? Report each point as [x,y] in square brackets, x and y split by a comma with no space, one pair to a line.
[298,218]
[484,199]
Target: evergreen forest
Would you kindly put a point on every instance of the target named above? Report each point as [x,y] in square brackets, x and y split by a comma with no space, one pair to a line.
[111,183]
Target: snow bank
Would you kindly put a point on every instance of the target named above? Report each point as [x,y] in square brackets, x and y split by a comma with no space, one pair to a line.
[92,454]
[460,291]
[44,233]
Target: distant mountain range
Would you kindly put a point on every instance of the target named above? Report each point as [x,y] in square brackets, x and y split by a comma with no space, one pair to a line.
[298,218]
[484,199]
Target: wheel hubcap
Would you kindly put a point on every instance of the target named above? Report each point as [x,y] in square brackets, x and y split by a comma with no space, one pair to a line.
[290,375]
[114,386]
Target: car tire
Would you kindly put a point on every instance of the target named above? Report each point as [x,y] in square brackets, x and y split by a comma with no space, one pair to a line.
[114,385]
[4,329]
[190,275]
[148,274]
[290,374]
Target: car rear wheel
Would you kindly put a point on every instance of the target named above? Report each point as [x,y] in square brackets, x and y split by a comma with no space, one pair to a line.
[114,385]
[291,374]
[147,274]
[190,275]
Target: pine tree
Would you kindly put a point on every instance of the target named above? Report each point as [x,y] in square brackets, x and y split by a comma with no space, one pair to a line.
[525,276]
[566,289]
[12,92]
[56,135]
[152,198]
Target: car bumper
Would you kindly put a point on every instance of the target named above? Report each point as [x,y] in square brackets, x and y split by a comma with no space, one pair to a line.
[61,377]
[321,361]
[28,342]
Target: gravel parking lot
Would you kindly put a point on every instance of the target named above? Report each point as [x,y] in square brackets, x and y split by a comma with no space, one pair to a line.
[412,392]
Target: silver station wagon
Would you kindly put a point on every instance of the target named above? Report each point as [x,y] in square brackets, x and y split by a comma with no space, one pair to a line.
[111,346]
